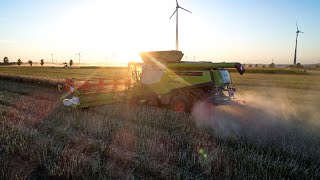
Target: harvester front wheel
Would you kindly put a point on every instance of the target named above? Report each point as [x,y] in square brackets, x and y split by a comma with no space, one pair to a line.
[180,104]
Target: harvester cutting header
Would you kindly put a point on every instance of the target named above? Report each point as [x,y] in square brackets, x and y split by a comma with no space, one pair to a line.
[162,80]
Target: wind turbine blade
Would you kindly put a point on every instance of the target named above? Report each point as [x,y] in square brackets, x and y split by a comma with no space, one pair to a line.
[173,13]
[301,32]
[185,9]
[297,26]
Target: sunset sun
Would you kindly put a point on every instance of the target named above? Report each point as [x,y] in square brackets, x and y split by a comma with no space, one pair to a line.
[111,30]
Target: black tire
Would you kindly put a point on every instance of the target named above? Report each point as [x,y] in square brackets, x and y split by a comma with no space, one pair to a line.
[180,104]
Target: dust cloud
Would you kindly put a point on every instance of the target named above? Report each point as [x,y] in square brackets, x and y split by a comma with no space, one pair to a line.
[277,115]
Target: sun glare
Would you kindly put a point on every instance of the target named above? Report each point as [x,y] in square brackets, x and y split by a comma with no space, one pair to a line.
[111,31]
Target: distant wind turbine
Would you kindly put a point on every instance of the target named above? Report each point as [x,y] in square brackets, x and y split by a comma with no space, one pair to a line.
[295,50]
[52,58]
[177,27]
[79,54]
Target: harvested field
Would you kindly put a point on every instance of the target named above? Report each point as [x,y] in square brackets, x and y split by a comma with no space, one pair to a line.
[271,130]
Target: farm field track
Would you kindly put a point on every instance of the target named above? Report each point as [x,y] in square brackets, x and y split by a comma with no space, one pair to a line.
[270,131]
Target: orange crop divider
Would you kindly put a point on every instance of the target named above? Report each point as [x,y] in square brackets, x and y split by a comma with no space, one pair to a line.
[69,83]
[95,85]
[86,85]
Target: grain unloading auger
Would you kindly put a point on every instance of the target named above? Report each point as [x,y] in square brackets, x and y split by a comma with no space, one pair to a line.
[162,80]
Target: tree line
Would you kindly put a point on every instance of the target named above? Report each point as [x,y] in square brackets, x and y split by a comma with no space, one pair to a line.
[30,62]
[273,65]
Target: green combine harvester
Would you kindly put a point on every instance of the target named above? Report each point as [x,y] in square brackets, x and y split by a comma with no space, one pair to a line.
[162,80]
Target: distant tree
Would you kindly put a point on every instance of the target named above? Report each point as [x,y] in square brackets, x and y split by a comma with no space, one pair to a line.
[272,65]
[299,66]
[256,65]
[263,66]
[30,62]
[41,62]
[250,65]
[70,62]
[317,66]
[19,62]
[5,60]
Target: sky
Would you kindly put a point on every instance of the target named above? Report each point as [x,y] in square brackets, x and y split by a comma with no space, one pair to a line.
[114,31]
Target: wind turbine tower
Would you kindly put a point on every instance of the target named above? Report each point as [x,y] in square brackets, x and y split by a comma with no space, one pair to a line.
[52,57]
[177,19]
[295,50]
[79,54]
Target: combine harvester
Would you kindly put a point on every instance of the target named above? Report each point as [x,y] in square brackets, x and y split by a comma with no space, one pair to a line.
[162,80]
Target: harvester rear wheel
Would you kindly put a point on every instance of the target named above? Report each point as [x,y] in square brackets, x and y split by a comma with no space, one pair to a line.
[180,104]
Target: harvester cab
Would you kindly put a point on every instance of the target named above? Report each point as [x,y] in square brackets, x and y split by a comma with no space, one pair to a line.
[162,80]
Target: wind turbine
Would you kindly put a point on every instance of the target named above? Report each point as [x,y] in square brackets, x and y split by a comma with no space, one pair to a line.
[52,58]
[177,27]
[295,50]
[79,54]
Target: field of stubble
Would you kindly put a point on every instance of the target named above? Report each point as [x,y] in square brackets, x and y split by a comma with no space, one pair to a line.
[271,130]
